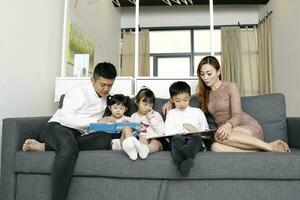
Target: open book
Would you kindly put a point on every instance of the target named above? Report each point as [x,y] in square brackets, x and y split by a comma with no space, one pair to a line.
[207,134]
[113,128]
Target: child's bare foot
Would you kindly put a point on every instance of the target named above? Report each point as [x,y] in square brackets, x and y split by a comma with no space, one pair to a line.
[33,145]
[279,146]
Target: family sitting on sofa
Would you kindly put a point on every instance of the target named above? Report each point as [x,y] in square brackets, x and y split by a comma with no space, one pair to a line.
[65,133]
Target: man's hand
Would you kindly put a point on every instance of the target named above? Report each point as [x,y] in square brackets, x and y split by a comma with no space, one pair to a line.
[190,127]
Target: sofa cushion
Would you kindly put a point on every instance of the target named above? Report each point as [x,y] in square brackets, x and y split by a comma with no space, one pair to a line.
[209,165]
[269,111]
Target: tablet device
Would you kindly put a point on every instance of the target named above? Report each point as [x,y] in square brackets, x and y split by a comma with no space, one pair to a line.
[113,128]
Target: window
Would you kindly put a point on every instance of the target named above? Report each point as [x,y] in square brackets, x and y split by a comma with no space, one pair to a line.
[177,66]
[202,40]
[176,53]
[170,41]
[202,46]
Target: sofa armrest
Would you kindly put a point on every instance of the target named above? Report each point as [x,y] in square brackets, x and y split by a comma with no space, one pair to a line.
[293,126]
[14,132]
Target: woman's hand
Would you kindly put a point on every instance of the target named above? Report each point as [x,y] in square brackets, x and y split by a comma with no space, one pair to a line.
[224,131]
[166,107]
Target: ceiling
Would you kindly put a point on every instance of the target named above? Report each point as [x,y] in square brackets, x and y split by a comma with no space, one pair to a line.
[129,3]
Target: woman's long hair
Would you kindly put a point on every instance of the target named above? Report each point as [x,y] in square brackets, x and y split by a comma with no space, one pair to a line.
[203,90]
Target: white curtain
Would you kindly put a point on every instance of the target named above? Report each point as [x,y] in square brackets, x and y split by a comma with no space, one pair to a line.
[231,55]
[127,63]
[265,66]
[239,58]
[249,61]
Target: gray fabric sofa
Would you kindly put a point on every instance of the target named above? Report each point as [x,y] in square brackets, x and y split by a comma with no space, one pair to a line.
[112,175]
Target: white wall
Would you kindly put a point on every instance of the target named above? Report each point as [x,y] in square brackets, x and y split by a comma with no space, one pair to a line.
[101,21]
[190,15]
[109,30]
[30,54]
[286,50]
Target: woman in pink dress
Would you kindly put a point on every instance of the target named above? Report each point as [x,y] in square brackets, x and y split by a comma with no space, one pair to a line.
[237,131]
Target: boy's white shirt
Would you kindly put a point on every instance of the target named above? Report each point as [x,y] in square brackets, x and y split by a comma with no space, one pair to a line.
[176,118]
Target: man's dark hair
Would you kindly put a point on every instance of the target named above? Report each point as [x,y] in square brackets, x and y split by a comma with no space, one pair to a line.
[179,87]
[105,70]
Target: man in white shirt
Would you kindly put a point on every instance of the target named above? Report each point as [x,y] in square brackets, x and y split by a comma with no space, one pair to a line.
[65,131]
[184,119]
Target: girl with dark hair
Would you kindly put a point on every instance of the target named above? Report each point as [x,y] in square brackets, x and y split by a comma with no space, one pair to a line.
[116,111]
[152,123]
[117,107]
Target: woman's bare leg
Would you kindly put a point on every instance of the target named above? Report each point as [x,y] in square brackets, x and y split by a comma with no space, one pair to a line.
[242,139]
[278,145]
[218,147]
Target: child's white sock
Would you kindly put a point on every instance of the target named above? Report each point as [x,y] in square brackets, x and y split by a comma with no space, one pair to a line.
[141,148]
[129,148]
[116,144]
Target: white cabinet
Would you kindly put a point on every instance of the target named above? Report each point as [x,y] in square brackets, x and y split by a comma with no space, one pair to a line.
[126,85]
[160,86]
[123,85]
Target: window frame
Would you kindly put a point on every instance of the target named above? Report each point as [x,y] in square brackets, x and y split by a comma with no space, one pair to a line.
[191,54]
[168,55]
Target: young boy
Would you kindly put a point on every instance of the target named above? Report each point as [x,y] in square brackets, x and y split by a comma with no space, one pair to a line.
[184,119]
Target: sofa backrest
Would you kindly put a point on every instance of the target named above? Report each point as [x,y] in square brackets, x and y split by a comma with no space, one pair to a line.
[269,110]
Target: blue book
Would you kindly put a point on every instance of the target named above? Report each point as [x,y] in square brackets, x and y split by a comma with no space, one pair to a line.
[113,128]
